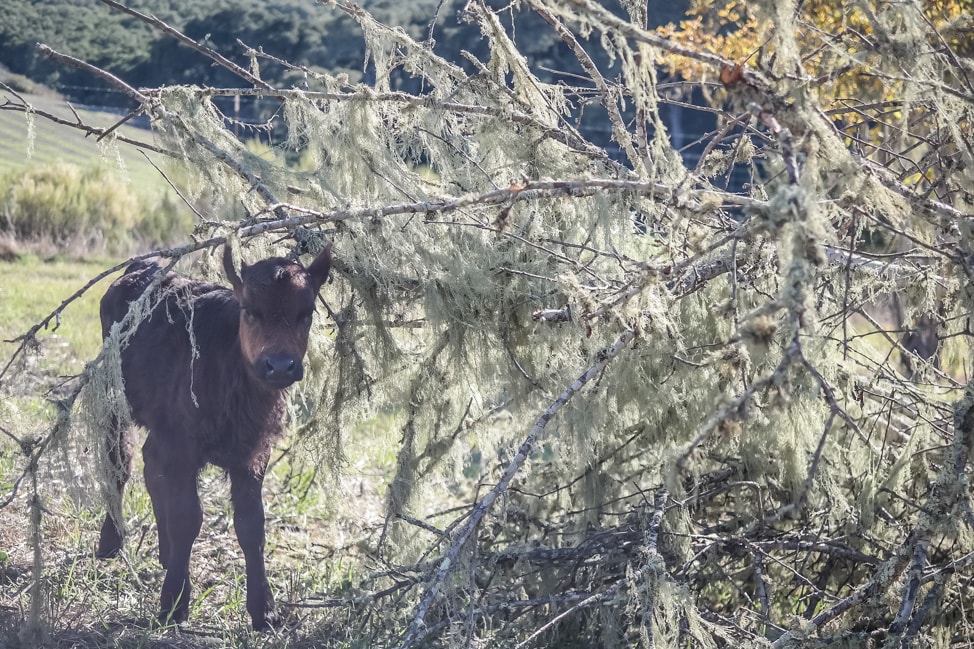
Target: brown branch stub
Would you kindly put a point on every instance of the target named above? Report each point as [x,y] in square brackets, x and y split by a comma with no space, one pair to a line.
[731,74]
[552,315]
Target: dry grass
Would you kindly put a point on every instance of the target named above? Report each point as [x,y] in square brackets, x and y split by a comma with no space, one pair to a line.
[315,550]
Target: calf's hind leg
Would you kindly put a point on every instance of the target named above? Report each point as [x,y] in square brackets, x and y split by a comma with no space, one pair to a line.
[177,504]
[118,443]
[156,485]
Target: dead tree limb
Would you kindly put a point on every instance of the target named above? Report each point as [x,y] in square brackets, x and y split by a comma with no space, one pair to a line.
[414,633]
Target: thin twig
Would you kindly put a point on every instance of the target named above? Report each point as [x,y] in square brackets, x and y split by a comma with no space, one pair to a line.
[189,42]
[111,129]
[609,102]
[171,184]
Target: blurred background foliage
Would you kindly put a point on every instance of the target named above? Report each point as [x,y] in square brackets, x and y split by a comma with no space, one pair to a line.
[303,33]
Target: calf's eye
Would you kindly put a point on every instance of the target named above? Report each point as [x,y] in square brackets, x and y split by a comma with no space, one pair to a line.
[249,316]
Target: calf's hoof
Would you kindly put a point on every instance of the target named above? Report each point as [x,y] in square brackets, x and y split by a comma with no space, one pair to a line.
[110,542]
[173,609]
[107,552]
[267,620]
[170,617]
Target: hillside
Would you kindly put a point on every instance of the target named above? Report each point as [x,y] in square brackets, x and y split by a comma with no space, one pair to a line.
[57,142]
[304,32]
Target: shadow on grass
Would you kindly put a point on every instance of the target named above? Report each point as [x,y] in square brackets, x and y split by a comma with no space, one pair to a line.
[132,633]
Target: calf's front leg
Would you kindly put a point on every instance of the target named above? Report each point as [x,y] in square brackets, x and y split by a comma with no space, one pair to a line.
[248,522]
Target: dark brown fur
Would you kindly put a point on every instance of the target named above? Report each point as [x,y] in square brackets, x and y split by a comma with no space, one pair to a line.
[224,406]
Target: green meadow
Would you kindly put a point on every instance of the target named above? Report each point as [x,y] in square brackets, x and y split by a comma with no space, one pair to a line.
[45,141]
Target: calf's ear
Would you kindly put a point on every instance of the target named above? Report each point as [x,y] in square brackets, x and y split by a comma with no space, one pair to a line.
[318,270]
[230,271]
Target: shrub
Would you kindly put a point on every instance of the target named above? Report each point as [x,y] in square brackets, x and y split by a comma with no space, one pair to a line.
[84,207]
[166,221]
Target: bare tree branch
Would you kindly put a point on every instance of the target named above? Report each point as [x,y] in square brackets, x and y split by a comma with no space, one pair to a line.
[414,632]
[188,42]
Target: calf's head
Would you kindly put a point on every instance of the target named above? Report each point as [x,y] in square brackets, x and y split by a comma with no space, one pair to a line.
[277,304]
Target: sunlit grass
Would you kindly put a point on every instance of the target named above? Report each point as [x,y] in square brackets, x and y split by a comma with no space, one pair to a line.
[32,288]
[55,142]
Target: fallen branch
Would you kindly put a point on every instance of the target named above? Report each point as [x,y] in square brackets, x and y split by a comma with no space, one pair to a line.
[652,541]
[414,633]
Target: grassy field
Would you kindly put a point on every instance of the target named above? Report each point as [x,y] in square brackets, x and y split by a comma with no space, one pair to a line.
[313,536]
[56,142]
[32,288]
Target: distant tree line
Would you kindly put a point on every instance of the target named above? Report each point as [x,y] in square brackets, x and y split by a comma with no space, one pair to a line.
[302,32]
[299,31]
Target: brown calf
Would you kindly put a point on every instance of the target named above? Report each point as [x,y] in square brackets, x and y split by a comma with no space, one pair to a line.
[220,403]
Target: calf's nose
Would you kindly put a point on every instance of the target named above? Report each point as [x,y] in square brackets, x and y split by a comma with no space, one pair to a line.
[281,369]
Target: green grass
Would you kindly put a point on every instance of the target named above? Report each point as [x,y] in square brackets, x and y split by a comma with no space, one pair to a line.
[56,142]
[31,288]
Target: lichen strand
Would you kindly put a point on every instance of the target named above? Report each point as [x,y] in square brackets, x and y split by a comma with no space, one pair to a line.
[100,408]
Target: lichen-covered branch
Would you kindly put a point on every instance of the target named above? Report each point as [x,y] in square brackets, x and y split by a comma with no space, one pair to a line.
[414,632]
